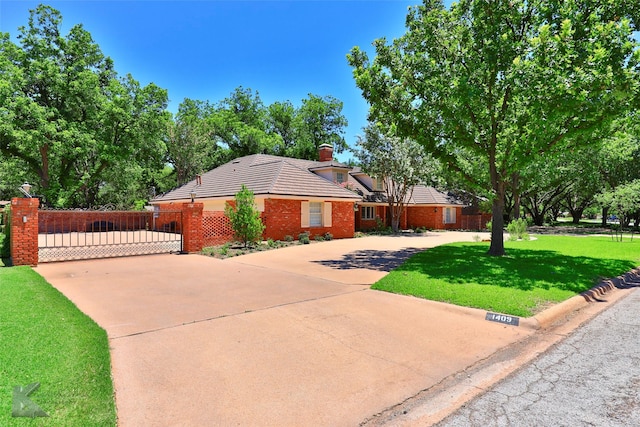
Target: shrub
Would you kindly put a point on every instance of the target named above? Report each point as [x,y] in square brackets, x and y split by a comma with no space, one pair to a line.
[303,238]
[319,238]
[224,250]
[5,236]
[288,238]
[328,236]
[489,225]
[271,243]
[518,229]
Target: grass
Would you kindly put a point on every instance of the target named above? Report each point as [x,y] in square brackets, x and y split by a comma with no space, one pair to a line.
[534,275]
[44,338]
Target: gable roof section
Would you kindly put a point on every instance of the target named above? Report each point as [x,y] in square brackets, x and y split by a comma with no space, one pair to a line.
[263,174]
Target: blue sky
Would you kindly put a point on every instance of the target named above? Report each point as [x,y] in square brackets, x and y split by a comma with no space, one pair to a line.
[205,49]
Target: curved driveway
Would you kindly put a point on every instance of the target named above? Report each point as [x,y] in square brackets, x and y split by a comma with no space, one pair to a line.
[287,337]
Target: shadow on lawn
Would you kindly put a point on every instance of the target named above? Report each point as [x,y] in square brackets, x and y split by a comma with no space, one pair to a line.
[371,259]
[522,269]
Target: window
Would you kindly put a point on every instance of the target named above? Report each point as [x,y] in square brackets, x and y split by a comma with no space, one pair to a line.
[315,214]
[340,178]
[367,212]
[449,215]
[378,184]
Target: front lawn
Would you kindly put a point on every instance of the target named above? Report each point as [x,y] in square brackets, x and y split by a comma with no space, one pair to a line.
[534,275]
[44,338]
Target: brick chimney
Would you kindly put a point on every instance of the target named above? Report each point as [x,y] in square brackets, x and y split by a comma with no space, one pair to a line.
[325,153]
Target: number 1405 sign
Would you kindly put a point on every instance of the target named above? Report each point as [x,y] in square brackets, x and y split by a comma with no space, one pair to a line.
[503,318]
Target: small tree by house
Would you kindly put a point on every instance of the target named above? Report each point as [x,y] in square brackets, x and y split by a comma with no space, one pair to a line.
[400,164]
[245,217]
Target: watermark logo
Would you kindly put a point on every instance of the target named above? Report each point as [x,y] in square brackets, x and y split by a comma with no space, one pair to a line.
[22,405]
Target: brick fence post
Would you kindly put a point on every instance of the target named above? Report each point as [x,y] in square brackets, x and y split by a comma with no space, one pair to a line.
[192,231]
[24,231]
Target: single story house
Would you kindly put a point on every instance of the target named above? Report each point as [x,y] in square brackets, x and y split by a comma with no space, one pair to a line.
[317,197]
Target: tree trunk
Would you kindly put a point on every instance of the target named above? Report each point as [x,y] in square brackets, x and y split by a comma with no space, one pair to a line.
[497,224]
[576,215]
[396,212]
[515,189]
[605,213]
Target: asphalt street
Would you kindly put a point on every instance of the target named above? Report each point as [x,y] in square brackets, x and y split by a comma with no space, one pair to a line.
[592,378]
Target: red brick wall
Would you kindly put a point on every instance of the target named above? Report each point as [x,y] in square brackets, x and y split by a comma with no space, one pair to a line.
[431,217]
[342,221]
[24,235]
[283,217]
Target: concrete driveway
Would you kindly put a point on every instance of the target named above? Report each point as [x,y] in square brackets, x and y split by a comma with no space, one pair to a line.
[281,338]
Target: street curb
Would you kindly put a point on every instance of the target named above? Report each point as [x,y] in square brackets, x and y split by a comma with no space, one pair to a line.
[553,314]
[432,405]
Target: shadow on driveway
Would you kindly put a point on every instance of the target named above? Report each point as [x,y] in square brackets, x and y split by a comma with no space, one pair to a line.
[379,260]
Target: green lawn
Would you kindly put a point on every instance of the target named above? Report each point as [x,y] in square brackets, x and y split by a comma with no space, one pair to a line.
[533,275]
[44,338]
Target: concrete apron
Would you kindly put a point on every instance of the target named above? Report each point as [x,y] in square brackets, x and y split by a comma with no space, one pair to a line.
[264,340]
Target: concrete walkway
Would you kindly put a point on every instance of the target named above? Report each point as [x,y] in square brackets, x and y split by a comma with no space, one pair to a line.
[288,337]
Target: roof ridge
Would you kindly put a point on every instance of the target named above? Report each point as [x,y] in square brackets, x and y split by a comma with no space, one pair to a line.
[276,175]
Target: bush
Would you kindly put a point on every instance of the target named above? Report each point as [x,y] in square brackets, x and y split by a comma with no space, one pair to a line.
[489,225]
[272,243]
[303,238]
[328,236]
[518,229]
[5,236]
[224,250]
[319,238]
[288,238]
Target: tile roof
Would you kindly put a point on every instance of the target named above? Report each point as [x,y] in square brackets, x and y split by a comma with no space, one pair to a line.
[263,174]
[425,195]
[266,174]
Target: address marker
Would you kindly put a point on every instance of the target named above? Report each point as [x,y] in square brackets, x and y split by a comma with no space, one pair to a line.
[503,318]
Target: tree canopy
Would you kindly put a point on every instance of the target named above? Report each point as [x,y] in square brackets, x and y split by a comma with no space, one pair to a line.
[87,137]
[66,115]
[500,84]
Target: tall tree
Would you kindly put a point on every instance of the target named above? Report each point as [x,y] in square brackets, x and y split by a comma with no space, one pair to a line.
[399,163]
[191,146]
[240,124]
[320,121]
[282,119]
[503,81]
[67,116]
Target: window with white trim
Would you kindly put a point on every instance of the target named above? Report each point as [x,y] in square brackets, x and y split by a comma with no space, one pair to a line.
[340,177]
[449,215]
[315,214]
[368,212]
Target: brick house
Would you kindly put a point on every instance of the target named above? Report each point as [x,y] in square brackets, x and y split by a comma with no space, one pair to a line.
[318,197]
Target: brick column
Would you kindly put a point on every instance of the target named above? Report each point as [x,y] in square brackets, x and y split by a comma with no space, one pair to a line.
[24,231]
[192,232]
